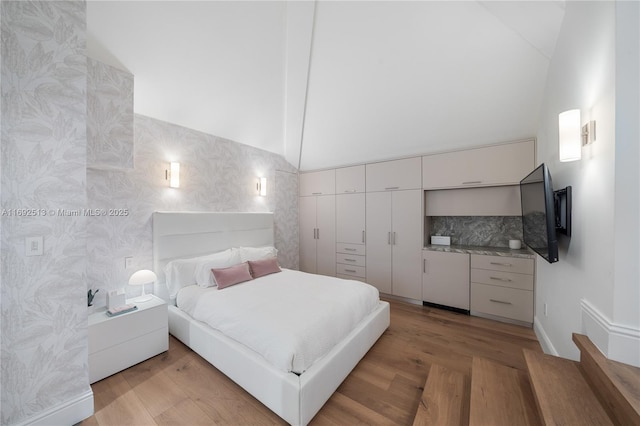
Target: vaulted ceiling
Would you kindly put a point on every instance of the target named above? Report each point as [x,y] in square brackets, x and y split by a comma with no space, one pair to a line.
[333,83]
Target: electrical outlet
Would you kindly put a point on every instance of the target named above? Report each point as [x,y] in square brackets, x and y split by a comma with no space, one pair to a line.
[128,262]
[34,246]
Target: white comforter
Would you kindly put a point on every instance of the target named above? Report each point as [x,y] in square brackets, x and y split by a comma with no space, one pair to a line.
[291,318]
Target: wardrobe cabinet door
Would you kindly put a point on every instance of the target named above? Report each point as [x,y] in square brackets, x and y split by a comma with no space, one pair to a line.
[406,239]
[378,214]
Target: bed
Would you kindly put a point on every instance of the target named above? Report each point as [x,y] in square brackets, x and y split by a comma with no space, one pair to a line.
[296,396]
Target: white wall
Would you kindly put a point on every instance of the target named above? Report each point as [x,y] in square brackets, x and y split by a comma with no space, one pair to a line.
[582,289]
[626,313]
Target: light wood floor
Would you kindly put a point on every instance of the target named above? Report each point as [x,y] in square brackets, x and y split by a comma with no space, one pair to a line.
[180,388]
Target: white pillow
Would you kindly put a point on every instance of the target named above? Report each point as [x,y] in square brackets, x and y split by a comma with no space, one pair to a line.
[224,259]
[182,272]
[257,253]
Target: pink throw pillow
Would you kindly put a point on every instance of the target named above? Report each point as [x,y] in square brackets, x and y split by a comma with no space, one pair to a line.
[235,274]
[264,267]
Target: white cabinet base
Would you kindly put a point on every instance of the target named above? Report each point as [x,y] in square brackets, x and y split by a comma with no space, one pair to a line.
[116,343]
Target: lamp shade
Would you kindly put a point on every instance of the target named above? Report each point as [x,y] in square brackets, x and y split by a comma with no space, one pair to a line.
[142,277]
[570,135]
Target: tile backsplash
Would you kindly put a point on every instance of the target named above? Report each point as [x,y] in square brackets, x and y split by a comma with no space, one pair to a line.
[487,231]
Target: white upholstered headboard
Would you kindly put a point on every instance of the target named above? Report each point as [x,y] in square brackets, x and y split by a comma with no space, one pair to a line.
[189,234]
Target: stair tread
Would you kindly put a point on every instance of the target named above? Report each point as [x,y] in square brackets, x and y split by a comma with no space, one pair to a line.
[443,398]
[620,383]
[562,393]
[500,395]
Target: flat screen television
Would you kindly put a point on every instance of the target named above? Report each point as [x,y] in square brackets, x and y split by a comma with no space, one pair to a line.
[544,213]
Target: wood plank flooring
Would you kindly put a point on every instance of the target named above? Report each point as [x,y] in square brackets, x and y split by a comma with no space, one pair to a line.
[180,388]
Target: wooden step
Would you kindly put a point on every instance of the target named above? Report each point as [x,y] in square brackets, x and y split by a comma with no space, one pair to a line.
[562,393]
[616,384]
[445,398]
[500,395]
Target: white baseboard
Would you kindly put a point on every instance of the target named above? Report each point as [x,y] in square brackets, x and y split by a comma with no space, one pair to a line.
[64,414]
[543,338]
[616,341]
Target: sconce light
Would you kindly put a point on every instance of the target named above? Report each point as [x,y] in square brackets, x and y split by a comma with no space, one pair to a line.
[261,186]
[173,175]
[572,135]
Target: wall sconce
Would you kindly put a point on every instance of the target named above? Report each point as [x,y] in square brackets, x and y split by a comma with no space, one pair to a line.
[173,175]
[572,135]
[261,186]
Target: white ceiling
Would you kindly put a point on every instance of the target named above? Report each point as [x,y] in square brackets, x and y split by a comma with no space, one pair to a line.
[335,83]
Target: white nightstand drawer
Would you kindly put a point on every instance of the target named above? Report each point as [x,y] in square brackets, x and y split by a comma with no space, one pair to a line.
[359,249]
[503,279]
[110,331]
[355,271]
[502,263]
[351,259]
[503,302]
[116,358]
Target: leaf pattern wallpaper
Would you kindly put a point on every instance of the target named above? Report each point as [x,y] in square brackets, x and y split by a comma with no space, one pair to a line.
[43,170]
[215,175]
[110,118]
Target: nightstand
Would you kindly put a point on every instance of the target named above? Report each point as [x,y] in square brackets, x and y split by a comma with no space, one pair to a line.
[116,343]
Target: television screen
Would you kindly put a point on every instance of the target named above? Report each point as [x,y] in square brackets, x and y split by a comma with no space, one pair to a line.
[538,213]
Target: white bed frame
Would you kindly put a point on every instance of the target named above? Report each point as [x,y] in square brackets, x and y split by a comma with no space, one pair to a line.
[295,398]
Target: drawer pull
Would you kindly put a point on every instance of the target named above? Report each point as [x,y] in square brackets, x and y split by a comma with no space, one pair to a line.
[500,264]
[349,190]
[316,193]
[500,301]
[362,237]
[350,270]
[349,249]
[349,260]
[391,187]
[471,182]
[507,280]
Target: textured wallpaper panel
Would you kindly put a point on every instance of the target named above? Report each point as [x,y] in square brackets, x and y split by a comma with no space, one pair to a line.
[286,218]
[215,175]
[44,314]
[109,116]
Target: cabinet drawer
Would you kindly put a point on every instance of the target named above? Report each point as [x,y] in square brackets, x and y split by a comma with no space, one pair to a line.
[502,301]
[503,279]
[394,175]
[502,263]
[350,179]
[484,166]
[350,259]
[126,327]
[354,271]
[317,183]
[359,249]
[351,277]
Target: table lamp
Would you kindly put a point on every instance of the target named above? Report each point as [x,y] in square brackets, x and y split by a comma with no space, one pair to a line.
[142,277]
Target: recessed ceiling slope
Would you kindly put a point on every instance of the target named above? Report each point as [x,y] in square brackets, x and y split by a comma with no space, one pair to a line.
[396,79]
[213,66]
